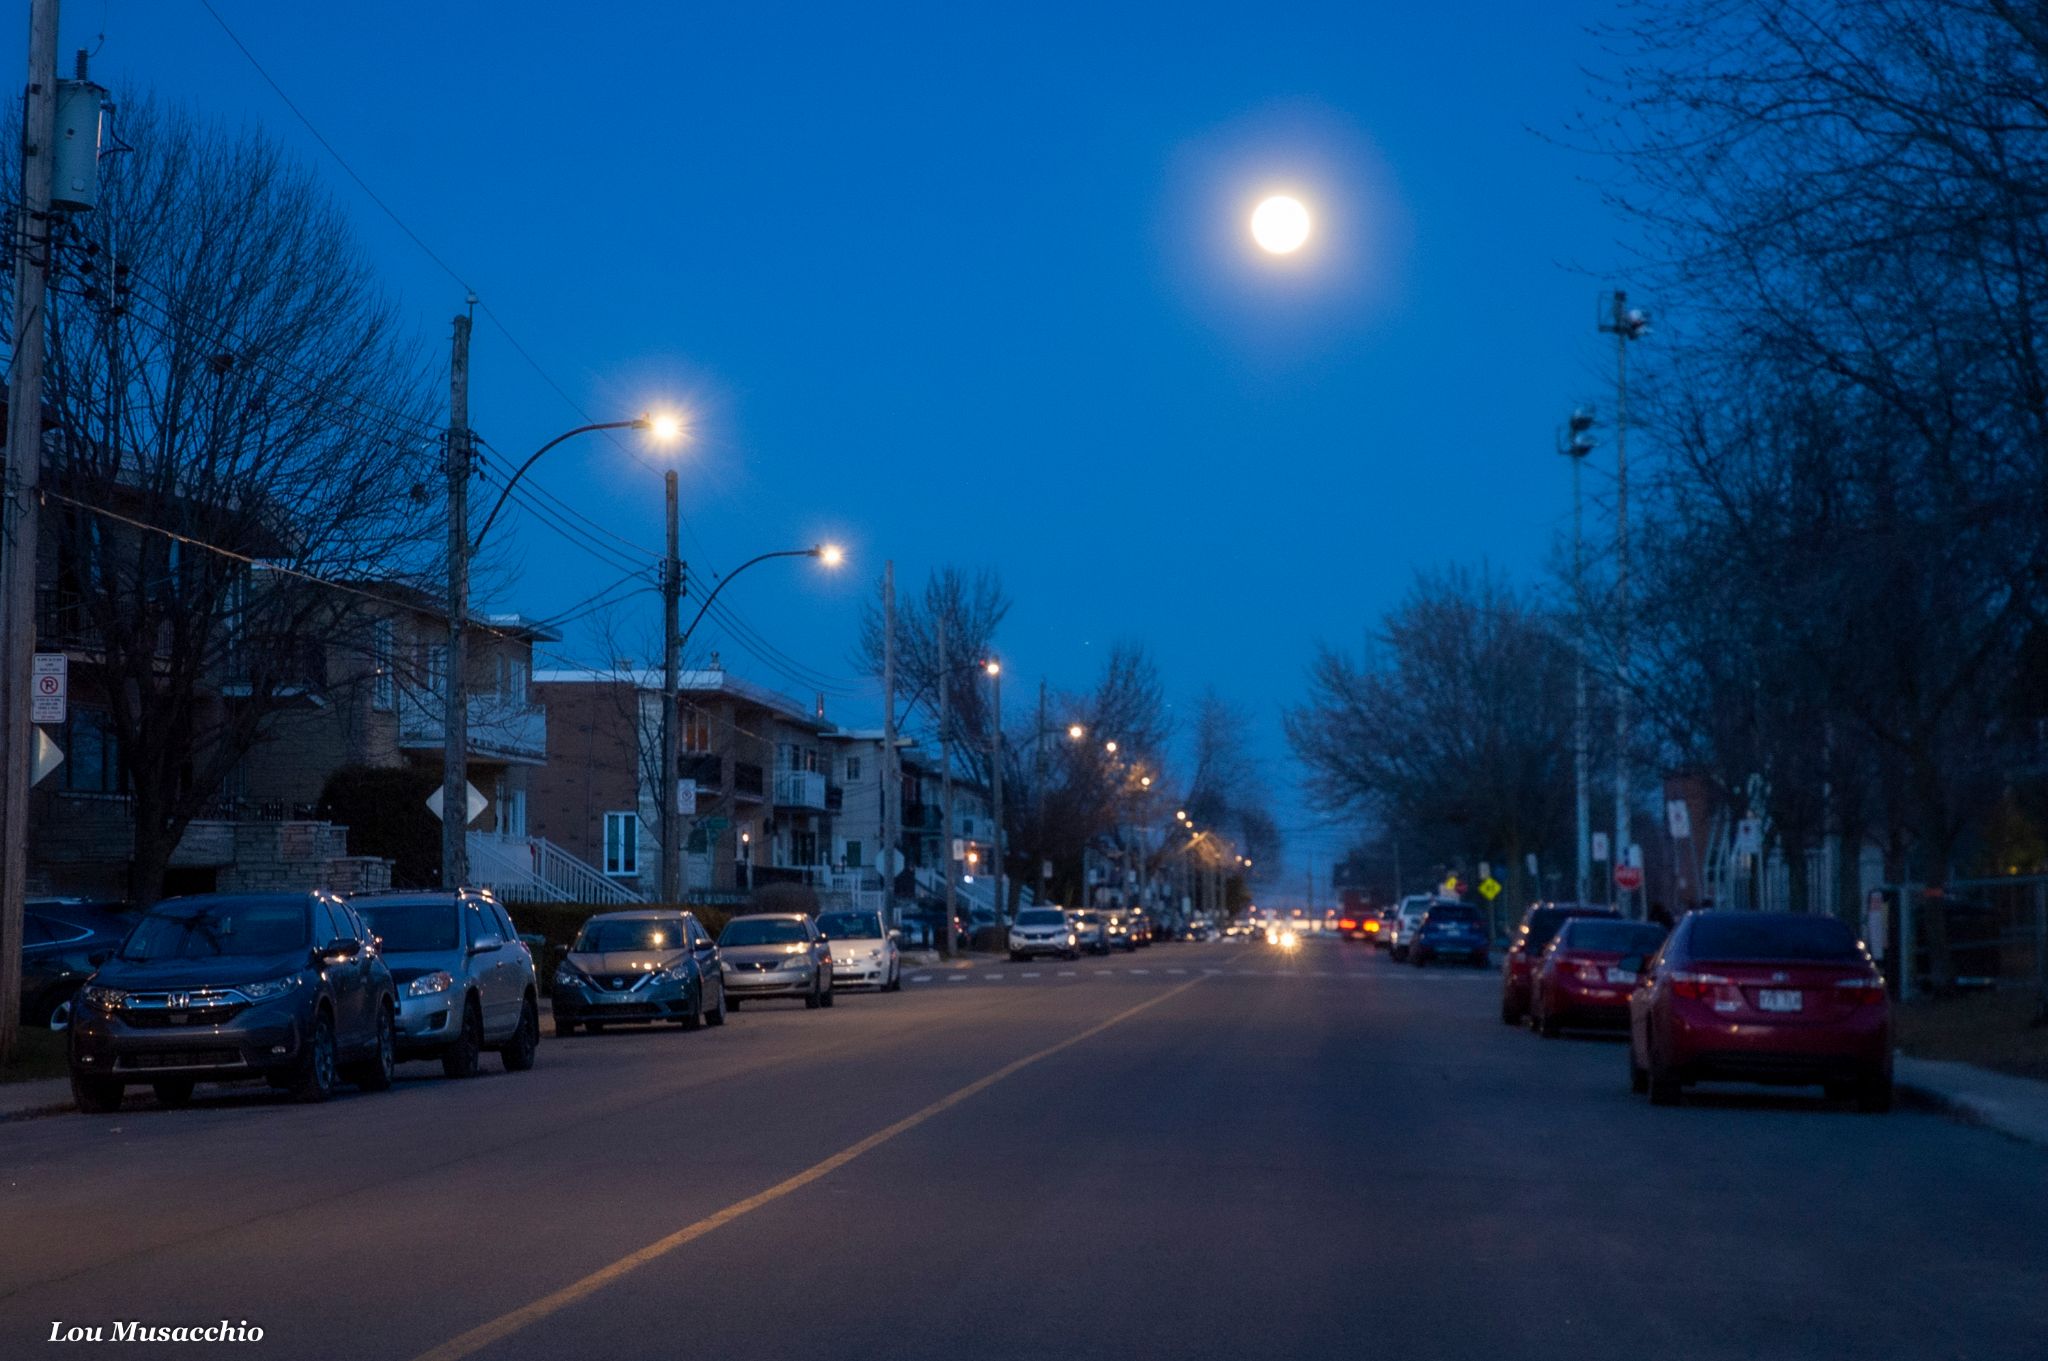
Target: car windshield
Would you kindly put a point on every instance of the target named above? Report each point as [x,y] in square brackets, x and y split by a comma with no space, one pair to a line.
[850,926]
[1819,939]
[762,931]
[1616,937]
[273,926]
[1546,922]
[408,928]
[629,935]
[1041,916]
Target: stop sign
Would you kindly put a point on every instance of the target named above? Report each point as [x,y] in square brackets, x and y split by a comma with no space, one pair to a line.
[1628,878]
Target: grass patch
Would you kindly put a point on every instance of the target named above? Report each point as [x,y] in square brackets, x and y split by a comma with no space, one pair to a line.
[38,1054]
[1991,1029]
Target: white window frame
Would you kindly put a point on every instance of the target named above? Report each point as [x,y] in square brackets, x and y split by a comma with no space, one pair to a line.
[625,863]
[384,686]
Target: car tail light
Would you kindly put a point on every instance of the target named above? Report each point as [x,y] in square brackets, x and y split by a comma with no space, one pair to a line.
[1590,973]
[1348,924]
[1699,987]
[1861,992]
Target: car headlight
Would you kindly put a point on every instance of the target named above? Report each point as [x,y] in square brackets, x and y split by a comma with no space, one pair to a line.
[567,977]
[427,984]
[1073,939]
[678,972]
[269,988]
[102,999]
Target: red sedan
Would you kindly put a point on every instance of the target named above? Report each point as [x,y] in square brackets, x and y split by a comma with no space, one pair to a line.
[1526,946]
[1777,997]
[1580,981]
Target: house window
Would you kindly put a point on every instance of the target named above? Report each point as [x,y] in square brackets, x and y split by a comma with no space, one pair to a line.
[853,855]
[852,769]
[384,688]
[696,730]
[803,848]
[434,668]
[622,844]
[512,678]
[92,762]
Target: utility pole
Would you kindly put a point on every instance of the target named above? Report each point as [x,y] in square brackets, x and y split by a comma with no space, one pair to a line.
[1625,325]
[455,688]
[1576,448]
[892,770]
[995,749]
[671,715]
[18,514]
[946,778]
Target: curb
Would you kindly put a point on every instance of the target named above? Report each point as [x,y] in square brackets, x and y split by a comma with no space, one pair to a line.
[1981,1111]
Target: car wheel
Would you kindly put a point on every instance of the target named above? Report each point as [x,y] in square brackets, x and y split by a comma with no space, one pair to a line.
[315,1078]
[95,1095]
[716,1016]
[172,1092]
[694,1018]
[1400,953]
[461,1058]
[825,1000]
[1016,958]
[811,1000]
[373,1074]
[1662,1084]
[59,1019]
[564,1028]
[1547,1025]
[895,983]
[518,1056]
[1874,1095]
[1638,1080]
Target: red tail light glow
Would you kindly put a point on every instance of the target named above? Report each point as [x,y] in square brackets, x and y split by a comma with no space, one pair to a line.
[1697,987]
[1348,924]
[1862,992]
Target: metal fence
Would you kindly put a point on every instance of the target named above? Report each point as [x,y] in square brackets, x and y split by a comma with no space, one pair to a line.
[1968,935]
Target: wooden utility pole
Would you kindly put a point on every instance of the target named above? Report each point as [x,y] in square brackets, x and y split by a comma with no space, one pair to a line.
[995,765]
[455,684]
[671,710]
[946,777]
[892,770]
[34,243]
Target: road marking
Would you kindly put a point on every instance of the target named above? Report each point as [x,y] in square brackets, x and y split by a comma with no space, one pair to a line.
[957,978]
[1067,973]
[505,1325]
[1212,971]
[1141,971]
[993,977]
[1031,973]
[1176,970]
[921,978]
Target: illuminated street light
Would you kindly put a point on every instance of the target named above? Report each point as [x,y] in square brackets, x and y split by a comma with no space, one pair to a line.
[1109,747]
[1280,225]
[1075,732]
[993,667]
[831,554]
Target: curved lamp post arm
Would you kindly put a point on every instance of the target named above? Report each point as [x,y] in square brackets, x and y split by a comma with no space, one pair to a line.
[727,580]
[637,423]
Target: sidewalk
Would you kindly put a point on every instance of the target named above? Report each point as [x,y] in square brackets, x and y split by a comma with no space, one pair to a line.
[2014,1106]
[45,1096]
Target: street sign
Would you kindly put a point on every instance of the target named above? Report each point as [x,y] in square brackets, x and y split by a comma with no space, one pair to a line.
[475,801]
[47,758]
[1530,861]
[1749,836]
[715,826]
[1599,845]
[1485,869]
[686,797]
[1628,878]
[1489,888]
[1450,887]
[890,862]
[47,688]
[1635,855]
[1679,817]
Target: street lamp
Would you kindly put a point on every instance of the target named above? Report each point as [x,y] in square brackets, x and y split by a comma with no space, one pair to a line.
[461,548]
[994,669]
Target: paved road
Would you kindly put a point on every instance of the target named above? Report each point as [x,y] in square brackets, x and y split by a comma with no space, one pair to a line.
[1224,1155]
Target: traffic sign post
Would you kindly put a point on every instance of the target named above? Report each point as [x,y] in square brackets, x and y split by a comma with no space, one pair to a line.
[1489,888]
[48,688]
[1628,878]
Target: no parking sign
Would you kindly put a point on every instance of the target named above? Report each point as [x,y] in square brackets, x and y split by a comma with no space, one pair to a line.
[47,687]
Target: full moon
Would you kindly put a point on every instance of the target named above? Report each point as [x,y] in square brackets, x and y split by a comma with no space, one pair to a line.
[1280,225]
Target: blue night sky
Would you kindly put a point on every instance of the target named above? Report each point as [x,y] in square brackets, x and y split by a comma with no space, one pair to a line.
[969,284]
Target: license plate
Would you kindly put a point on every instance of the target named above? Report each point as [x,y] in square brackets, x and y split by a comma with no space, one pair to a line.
[1779,999]
[1620,976]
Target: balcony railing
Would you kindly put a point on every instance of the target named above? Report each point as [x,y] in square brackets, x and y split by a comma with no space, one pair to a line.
[499,727]
[800,789]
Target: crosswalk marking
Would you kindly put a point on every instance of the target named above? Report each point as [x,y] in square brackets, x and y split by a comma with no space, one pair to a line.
[921,978]
[1031,973]
[1176,970]
[958,978]
[1067,973]
[1141,971]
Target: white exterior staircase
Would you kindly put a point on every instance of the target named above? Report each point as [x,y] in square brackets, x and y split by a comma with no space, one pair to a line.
[532,869]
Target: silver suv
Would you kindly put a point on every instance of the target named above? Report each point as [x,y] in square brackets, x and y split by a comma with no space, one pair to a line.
[465,980]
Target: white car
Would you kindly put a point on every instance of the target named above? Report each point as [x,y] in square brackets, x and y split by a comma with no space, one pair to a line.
[1043,931]
[864,953]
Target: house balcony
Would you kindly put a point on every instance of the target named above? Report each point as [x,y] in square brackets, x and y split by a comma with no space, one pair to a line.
[500,728]
[800,789]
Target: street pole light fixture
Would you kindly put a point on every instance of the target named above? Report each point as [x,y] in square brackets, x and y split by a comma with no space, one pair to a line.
[1075,732]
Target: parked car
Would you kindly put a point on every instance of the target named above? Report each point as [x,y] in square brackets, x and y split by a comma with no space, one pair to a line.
[776,954]
[62,941]
[466,982]
[1778,997]
[1408,920]
[1358,923]
[1580,980]
[1042,931]
[1141,927]
[1091,931]
[1197,931]
[1540,923]
[1450,931]
[650,964]
[1379,928]
[284,986]
[864,952]
[1118,928]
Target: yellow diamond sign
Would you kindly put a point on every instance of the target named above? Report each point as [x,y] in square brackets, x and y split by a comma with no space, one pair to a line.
[1489,888]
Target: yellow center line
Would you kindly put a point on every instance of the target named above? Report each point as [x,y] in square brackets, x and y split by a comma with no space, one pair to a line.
[503,1326]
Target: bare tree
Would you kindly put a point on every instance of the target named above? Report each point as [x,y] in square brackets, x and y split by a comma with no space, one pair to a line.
[238,425]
